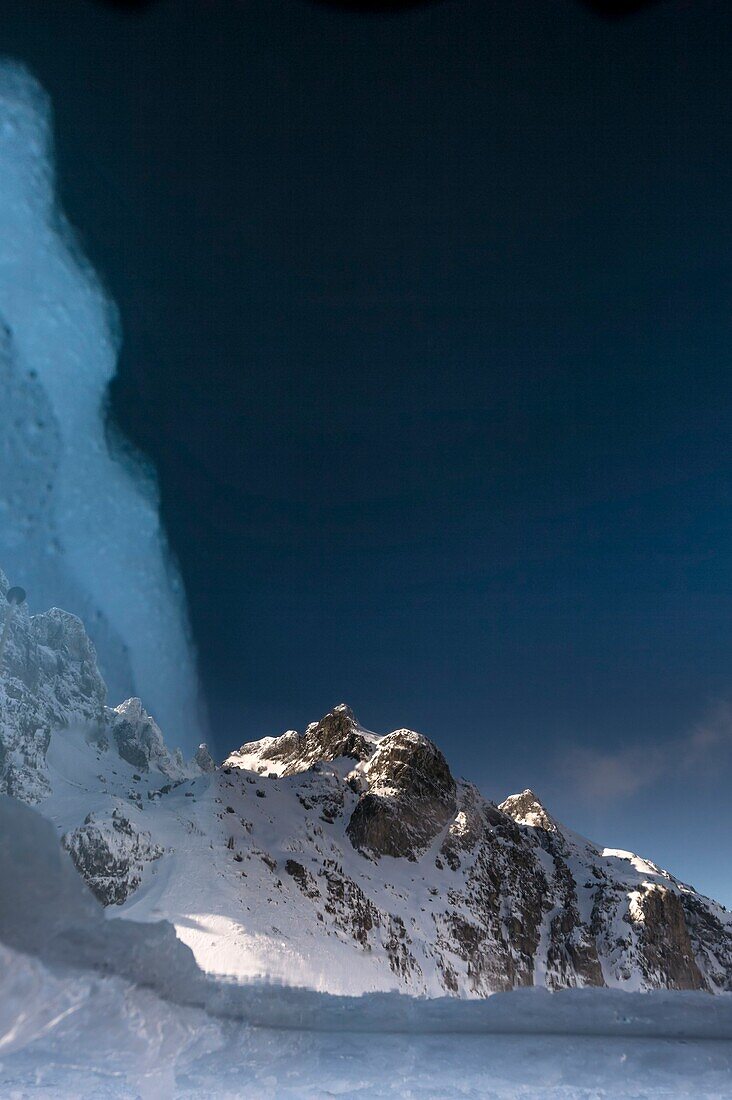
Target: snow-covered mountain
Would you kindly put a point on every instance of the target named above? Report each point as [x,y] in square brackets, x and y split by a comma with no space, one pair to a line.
[337,859]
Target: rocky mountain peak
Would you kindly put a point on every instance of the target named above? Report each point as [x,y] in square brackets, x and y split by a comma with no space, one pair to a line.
[337,735]
[527,809]
[407,792]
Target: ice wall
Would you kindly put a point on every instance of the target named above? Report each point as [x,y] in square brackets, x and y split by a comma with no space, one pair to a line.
[79,526]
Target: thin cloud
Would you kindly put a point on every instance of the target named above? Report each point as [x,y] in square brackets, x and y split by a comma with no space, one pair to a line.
[607,776]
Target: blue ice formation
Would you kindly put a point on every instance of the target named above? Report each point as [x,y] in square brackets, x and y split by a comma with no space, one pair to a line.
[79,525]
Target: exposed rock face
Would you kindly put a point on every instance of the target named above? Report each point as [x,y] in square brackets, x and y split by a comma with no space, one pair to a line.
[410,797]
[494,917]
[109,853]
[338,734]
[664,939]
[140,742]
[203,759]
[49,680]
[322,792]
[710,933]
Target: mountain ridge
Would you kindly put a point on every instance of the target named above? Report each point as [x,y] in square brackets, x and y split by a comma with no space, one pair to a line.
[338,859]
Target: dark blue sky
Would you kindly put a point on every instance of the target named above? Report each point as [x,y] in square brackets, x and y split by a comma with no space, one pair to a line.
[427,332]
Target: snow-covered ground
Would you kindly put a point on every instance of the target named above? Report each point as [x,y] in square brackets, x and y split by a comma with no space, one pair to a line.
[84,1036]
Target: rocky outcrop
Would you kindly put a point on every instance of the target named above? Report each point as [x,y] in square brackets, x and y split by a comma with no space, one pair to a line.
[49,680]
[710,933]
[337,735]
[663,938]
[526,809]
[203,759]
[109,852]
[140,742]
[409,800]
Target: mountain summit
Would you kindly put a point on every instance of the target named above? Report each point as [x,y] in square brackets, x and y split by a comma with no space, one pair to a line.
[337,859]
